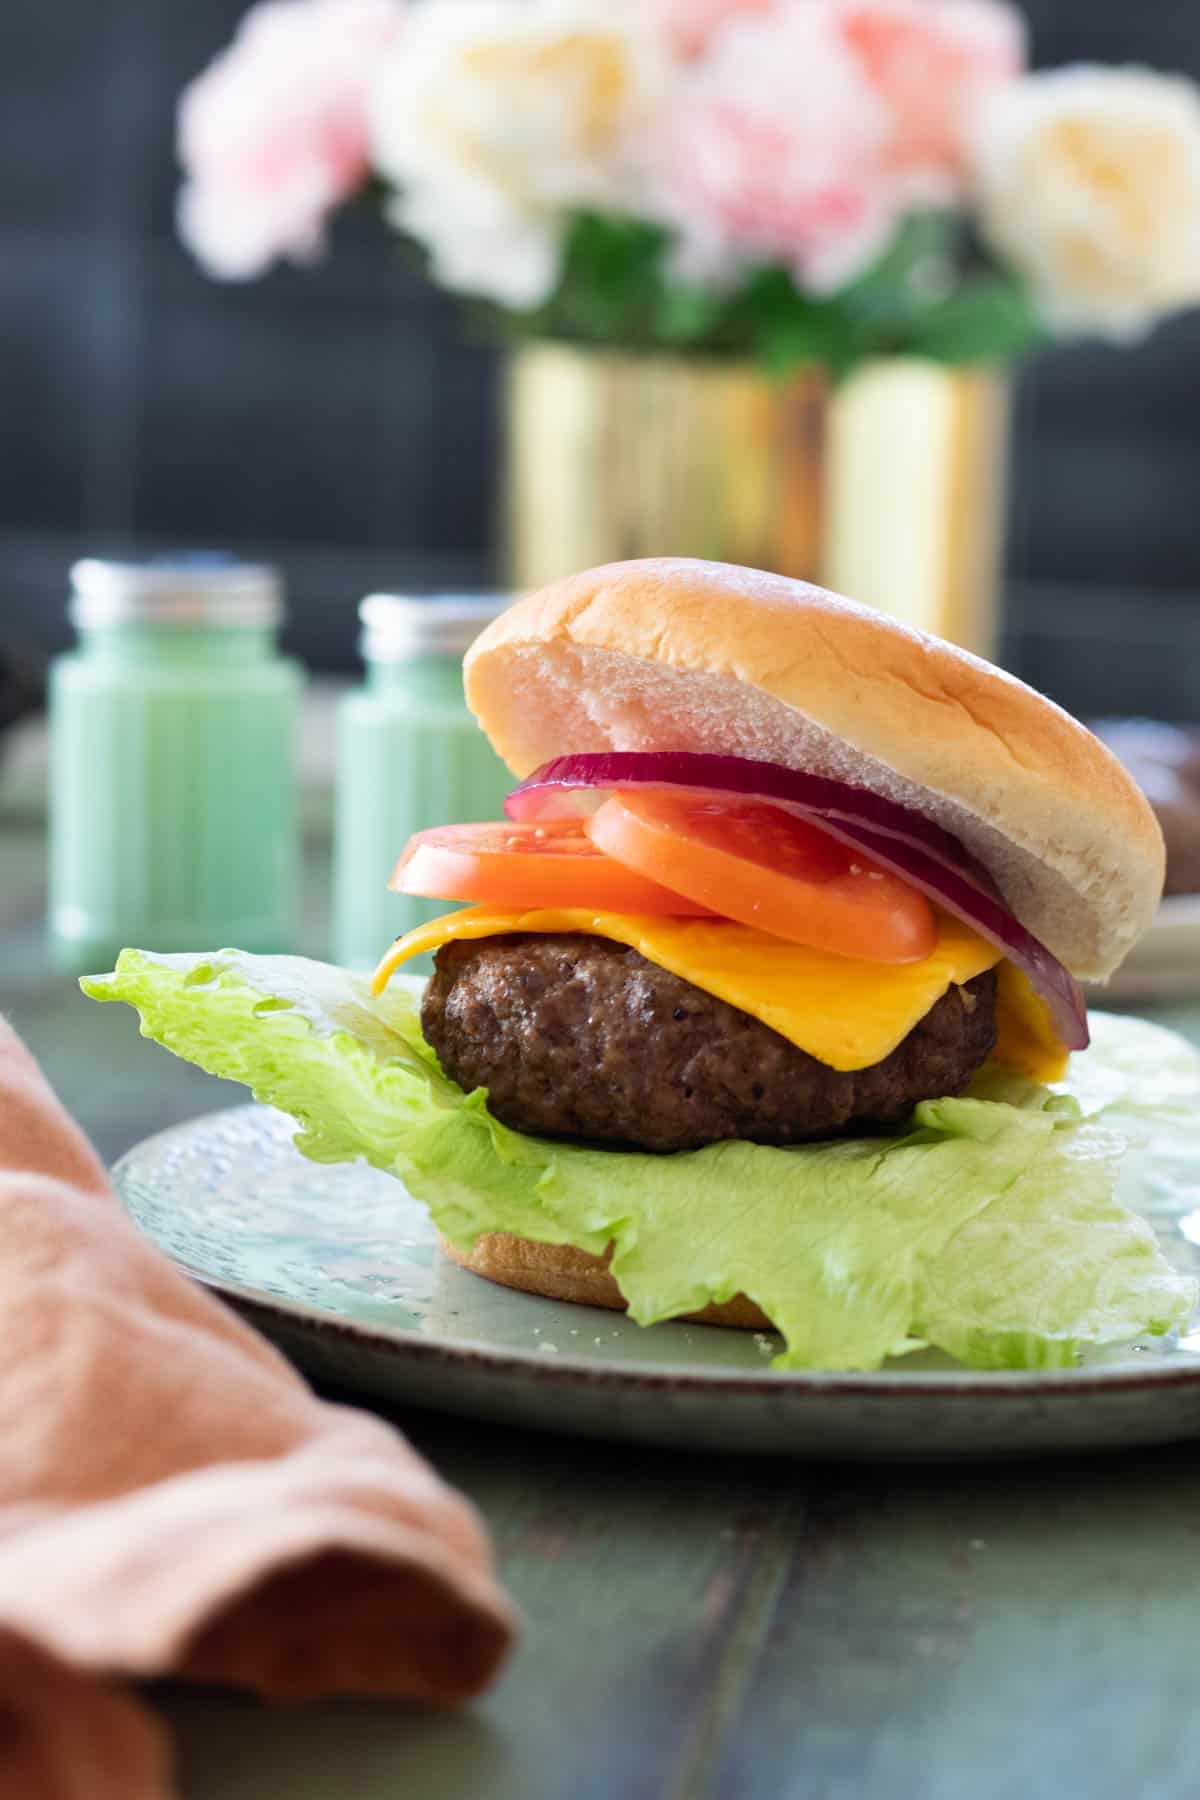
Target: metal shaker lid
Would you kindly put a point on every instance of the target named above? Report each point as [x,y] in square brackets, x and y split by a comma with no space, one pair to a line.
[190,589]
[398,626]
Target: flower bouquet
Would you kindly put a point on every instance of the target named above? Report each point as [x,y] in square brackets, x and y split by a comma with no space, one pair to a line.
[763,258]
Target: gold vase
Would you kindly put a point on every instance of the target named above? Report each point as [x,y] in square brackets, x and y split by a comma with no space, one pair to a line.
[889,487]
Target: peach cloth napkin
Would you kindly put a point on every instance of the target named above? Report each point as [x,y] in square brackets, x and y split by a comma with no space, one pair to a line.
[174,1501]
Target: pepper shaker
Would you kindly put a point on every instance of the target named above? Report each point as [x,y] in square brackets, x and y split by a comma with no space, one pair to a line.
[409,756]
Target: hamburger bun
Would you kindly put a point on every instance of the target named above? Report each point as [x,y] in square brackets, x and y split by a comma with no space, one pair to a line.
[669,653]
[558,1272]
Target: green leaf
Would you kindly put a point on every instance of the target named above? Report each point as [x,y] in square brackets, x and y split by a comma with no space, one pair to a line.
[688,316]
[990,320]
[918,268]
[610,287]
[990,1229]
[931,293]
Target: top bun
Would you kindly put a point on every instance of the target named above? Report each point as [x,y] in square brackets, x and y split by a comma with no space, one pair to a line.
[673,654]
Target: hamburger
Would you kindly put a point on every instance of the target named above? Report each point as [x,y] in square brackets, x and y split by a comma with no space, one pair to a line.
[759,1004]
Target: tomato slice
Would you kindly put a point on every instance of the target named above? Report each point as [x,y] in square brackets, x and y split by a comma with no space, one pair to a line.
[529,866]
[762,866]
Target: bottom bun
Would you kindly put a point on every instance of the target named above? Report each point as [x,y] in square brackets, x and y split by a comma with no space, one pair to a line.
[558,1272]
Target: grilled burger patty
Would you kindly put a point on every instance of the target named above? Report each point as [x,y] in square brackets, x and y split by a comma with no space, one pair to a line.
[579,1037]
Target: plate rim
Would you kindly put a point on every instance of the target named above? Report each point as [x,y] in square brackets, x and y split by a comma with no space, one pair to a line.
[569,1368]
[1176,909]
[1164,964]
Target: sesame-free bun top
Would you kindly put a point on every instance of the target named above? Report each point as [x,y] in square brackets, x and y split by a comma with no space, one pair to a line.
[674,654]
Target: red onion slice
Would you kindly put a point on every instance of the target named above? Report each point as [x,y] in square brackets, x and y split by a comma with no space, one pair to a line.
[899,839]
[570,787]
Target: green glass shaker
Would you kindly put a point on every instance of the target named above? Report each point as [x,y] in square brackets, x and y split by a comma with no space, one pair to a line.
[173,822]
[409,756]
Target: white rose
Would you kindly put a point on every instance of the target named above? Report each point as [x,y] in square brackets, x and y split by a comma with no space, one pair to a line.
[493,120]
[1089,181]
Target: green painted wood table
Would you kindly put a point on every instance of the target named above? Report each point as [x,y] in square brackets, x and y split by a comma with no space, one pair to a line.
[709,1629]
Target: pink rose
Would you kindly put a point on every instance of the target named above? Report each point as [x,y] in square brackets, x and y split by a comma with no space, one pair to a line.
[932,62]
[775,152]
[273,134]
[692,24]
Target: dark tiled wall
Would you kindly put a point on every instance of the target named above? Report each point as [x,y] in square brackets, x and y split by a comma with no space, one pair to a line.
[336,418]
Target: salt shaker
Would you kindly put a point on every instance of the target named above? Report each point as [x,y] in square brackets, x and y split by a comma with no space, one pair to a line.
[409,756]
[173,821]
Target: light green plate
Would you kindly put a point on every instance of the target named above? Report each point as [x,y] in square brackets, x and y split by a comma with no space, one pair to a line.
[341,1268]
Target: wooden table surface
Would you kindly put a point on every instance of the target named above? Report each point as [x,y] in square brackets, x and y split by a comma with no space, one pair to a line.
[709,1629]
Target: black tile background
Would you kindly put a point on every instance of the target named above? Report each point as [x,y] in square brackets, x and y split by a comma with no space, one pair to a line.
[338,420]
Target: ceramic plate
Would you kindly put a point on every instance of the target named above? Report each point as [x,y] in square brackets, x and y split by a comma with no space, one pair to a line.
[340,1266]
[1165,963]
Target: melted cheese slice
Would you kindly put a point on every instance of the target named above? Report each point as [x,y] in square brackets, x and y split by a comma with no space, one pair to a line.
[1025,1036]
[847,1014]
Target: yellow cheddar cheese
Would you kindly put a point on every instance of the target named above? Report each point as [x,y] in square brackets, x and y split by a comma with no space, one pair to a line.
[1025,1036]
[847,1014]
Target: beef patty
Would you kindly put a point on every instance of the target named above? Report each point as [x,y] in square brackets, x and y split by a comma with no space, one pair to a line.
[580,1037]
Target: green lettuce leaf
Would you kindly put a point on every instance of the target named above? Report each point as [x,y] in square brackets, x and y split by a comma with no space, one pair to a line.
[990,1229]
